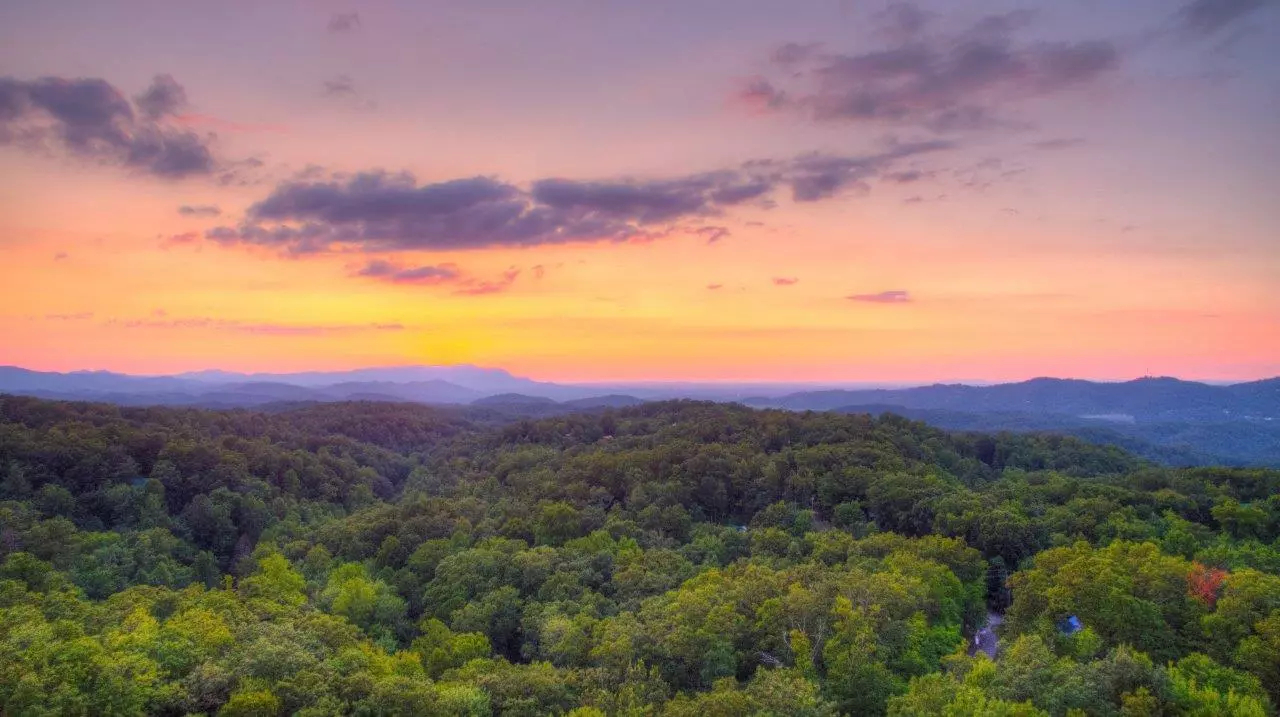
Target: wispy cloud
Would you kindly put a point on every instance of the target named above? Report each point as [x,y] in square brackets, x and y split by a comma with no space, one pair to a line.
[200,210]
[344,22]
[249,327]
[340,85]
[462,284]
[225,125]
[393,273]
[922,77]
[713,233]
[1058,143]
[896,296]
[1208,17]
[474,287]
[177,240]
[785,281]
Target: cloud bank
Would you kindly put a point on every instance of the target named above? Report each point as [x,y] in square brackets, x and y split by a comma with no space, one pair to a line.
[380,212]
[90,119]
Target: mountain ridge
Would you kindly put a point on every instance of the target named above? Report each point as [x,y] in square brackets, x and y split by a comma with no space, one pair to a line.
[1166,419]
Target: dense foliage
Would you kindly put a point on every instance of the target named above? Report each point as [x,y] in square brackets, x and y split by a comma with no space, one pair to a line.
[668,559]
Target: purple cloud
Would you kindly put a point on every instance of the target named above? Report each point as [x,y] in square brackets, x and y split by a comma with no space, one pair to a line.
[902,21]
[906,176]
[340,85]
[785,281]
[1207,17]
[441,274]
[91,119]
[713,233]
[344,22]
[164,97]
[815,176]
[200,210]
[395,274]
[883,297]
[761,95]
[939,81]
[380,212]
[1058,143]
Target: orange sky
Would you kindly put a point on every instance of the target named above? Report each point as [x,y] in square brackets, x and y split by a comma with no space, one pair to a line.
[1134,249]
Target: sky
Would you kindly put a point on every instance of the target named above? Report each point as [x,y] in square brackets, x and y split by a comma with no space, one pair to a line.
[596,190]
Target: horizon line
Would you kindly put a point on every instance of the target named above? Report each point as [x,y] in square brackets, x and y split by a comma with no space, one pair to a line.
[656,382]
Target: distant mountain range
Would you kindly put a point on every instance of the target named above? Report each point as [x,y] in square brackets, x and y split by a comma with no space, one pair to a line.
[1145,399]
[1166,419]
[421,384]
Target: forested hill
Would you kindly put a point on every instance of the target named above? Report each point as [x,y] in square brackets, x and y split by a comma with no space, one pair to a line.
[674,558]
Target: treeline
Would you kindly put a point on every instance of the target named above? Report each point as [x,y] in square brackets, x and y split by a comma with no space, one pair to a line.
[668,559]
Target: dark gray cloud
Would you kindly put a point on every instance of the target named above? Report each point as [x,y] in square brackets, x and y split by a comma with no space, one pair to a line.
[340,85]
[200,210]
[897,296]
[1207,17]
[164,97]
[939,81]
[379,212]
[90,119]
[344,22]
[393,273]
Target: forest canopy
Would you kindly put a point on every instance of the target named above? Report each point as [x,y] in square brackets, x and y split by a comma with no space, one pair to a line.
[676,558]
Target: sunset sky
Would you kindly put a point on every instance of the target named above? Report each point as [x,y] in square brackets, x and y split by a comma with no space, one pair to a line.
[594,190]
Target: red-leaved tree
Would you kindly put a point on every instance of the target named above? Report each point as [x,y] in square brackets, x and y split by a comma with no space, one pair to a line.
[1204,583]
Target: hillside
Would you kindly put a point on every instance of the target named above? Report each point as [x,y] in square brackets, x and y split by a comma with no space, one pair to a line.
[673,558]
[1180,423]
[1188,443]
